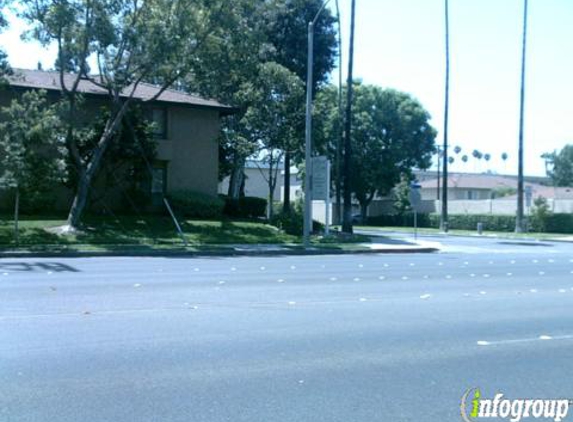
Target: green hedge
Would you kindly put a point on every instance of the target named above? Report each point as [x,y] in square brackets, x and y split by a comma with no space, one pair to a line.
[553,223]
[196,205]
[245,207]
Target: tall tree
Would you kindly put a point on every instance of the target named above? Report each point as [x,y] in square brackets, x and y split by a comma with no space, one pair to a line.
[560,166]
[347,212]
[227,64]
[391,136]
[279,95]
[30,162]
[286,30]
[444,215]
[4,66]
[519,221]
[132,42]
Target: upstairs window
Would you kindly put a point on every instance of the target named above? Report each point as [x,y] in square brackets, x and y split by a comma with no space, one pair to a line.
[159,119]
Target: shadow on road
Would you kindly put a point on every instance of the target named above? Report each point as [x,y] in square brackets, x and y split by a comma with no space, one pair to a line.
[56,267]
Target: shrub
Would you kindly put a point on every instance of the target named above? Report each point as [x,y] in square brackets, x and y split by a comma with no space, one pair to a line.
[245,207]
[293,222]
[196,205]
[540,215]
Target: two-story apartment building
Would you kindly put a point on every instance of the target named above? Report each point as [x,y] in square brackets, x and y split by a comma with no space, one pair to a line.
[187,128]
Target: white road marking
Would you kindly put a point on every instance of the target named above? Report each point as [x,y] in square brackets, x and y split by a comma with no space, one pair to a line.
[196,269]
[136,285]
[363,299]
[292,303]
[333,279]
[551,261]
[472,275]
[535,261]
[562,291]
[541,273]
[448,277]
[533,290]
[292,267]
[524,340]
[412,264]
[360,266]
[483,293]
[221,282]
[356,279]
[509,274]
[233,269]
[381,278]
[404,278]
[280,280]
[425,297]
[512,261]
[486,276]
[263,268]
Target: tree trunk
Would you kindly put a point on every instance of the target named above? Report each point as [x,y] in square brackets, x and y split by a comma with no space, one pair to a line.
[17,216]
[286,199]
[347,220]
[363,212]
[237,177]
[87,176]
[271,189]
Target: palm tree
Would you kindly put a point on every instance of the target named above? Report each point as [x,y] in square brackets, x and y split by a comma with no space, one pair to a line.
[444,216]
[347,218]
[519,226]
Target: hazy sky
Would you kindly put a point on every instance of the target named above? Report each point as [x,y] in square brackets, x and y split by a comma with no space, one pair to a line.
[400,44]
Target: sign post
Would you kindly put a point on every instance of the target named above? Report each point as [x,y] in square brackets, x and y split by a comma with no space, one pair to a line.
[321,186]
[415,199]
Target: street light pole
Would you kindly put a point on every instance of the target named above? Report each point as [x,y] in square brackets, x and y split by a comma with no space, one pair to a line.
[307,229]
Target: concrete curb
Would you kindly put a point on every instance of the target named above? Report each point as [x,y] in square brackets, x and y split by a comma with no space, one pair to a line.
[181,253]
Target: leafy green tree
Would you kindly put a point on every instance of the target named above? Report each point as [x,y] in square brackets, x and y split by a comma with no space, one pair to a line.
[228,64]
[402,196]
[279,95]
[560,166]
[4,65]
[132,42]
[286,29]
[391,136]
[30,153]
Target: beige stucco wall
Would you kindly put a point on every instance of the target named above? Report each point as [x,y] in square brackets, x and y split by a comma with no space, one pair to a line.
[191,149]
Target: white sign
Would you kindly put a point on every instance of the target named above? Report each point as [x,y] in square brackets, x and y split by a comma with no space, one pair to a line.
[320,178]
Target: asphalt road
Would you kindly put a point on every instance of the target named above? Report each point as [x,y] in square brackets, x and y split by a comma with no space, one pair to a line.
[328,338]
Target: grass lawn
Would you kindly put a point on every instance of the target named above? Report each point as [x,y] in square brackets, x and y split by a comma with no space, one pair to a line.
[150,232]
[508,235]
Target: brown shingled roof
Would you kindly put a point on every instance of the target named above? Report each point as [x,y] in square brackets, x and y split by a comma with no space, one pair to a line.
[50,81]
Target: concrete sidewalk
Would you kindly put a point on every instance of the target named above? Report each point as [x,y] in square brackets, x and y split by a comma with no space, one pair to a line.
[378,245]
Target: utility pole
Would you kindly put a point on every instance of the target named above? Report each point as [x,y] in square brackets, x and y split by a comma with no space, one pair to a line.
[444,215]
[519,221]
[307,223]
[347,220]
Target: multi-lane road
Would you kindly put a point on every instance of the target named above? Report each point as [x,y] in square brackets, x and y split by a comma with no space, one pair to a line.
[332,338]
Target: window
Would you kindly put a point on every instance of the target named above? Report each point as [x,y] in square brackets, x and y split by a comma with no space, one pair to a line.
[159,119]
[159,180]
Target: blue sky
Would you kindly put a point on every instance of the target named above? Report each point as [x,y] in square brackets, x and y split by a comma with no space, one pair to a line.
[400,44]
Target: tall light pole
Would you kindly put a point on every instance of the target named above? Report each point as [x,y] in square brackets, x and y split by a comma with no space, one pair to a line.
[444,215]
[519,221]
[307,229]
